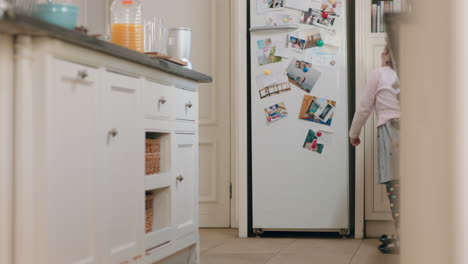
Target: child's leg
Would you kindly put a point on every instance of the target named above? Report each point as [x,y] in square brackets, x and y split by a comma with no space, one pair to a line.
[393,192]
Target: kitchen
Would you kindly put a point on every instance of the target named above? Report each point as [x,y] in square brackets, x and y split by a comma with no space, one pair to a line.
[109,155]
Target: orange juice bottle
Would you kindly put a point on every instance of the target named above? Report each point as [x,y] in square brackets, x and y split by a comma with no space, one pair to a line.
[127,24]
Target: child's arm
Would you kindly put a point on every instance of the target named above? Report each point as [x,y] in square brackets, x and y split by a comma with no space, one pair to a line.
[366,105]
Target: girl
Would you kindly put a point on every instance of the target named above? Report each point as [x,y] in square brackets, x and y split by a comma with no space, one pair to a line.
[382,94]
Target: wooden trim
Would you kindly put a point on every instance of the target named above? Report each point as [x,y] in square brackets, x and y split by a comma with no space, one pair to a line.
[6,150]
[360,157]
[239,116]
[24,157]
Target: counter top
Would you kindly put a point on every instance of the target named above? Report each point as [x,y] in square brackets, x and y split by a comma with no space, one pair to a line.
[22,24]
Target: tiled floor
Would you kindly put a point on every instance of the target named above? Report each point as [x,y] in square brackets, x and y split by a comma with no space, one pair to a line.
[222,246]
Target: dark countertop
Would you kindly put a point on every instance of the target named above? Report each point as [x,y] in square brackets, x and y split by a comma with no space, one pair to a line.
[15,23]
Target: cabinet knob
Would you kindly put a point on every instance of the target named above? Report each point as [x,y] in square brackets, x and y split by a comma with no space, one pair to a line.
[82,74]
[180,178]
[188,104]
[113,132]
[162,100]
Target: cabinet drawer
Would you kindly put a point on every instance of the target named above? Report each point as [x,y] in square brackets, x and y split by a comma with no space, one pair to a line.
[158,99]
[186,105]
[76,73]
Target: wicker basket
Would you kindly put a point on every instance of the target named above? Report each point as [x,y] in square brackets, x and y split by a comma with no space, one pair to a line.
[153,164]
[153,145]
[149,212]
[153,156]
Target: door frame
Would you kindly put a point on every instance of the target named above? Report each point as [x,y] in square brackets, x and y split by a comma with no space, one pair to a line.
[239,116]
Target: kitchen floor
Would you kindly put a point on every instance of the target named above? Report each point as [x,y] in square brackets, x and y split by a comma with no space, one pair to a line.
[222,246]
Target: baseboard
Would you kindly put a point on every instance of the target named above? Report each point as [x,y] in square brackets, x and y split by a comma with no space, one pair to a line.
[377,228]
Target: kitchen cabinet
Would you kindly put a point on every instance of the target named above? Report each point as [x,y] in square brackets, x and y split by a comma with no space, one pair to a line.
[124,165]
[159,100]
[70,192]
[84,118]
[186,184]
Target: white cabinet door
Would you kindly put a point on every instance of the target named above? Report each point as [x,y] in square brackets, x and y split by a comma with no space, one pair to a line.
[186,105]
[186,188]
[124,149]
[158,100]
[70,213]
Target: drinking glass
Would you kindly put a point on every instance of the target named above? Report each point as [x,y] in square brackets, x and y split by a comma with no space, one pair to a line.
[155,35]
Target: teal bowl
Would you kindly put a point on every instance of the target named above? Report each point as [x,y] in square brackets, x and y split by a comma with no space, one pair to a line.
[58,14]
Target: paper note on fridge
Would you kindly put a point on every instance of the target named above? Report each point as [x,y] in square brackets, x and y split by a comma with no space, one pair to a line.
[282,52]
[322,56]
[331,38]
[275,76]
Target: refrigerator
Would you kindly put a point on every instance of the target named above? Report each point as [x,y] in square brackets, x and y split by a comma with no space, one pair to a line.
[299,164]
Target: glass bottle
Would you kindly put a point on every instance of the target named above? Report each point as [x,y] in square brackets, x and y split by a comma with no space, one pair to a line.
[127,24]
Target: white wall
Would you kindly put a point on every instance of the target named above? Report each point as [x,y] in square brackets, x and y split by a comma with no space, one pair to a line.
[92,14]
[429,140]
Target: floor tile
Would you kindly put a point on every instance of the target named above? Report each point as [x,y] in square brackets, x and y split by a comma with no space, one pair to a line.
[323,247]
[210,238]
[298,258]
[254,258]
[250,245]
[369,248]
[222,246]
[378,259]
[369,254]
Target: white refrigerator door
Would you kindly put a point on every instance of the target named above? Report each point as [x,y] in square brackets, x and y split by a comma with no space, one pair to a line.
[294,188]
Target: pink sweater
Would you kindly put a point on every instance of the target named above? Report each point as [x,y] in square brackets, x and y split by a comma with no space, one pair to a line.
[379,94]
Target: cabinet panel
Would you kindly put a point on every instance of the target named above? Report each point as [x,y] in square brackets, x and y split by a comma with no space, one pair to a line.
[124,139]
[70,211]
[186,188]
[158,100]
[186,105]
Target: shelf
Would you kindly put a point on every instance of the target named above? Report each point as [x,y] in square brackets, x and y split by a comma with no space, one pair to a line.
[377,35]
[158,238]
[158,210]
[157,181]
[282,27]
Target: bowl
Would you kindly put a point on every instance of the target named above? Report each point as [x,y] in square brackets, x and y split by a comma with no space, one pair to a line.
[58,14]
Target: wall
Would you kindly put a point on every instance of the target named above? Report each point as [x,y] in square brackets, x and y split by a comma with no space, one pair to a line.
[92,14]
[428,138]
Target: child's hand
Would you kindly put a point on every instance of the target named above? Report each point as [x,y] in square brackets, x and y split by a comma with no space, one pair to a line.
[355,141]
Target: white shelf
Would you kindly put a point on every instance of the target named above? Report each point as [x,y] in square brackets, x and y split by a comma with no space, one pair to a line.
[158,238]
[282,27]
[377,35]
[157,181]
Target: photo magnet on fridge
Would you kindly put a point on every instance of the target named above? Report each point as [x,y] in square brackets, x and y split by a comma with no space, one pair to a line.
[317,110]
[314,17]
[296,43]
[266,52]
[303,74]
[264,6]
[313,142]
[276,112]
[276,82]
[311,37]
[332,7]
